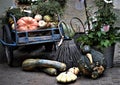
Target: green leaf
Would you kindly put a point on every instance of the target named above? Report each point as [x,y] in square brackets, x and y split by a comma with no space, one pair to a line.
[99,34]
[91,35]
[105,43]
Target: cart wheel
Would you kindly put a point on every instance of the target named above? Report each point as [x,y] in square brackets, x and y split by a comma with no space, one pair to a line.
[9,55]
[8,49]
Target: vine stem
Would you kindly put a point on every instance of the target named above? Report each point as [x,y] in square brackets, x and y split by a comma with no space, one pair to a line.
[87,16]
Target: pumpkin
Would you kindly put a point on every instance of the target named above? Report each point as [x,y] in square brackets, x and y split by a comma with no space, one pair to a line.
[30,64]
[92,64]
[66,77]
[74,70]
[27,24]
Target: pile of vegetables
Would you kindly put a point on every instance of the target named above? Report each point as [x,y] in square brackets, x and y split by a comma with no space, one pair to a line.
[28,23]
[53,68]
[49,66]
[91,64]
[32,18]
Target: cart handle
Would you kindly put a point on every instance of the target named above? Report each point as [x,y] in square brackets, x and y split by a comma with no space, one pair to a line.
[62,36]
[7,44]
[15,25]
[14,19]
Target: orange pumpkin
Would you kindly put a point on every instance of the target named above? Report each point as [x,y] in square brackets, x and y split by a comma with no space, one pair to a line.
[27,24]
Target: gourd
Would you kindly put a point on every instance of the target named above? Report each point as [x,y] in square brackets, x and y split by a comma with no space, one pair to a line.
[38,17]
[92,64]
[66,77]
[42,24]
[27,24]
[47,18]
[85,49]
[50,71]
[74,70]
[30,64]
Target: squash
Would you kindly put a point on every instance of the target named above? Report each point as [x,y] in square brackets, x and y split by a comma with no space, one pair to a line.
[66,77]
[85,49]
[50,71]
[30,64]
[38,17]
[42,24]
[92,64]
[74,70]
[27,24]
[99,69]
[47,18]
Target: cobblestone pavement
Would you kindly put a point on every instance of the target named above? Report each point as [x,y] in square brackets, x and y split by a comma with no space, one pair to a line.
[15,76]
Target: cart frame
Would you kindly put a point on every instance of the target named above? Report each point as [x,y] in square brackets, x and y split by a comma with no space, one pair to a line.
[12,38]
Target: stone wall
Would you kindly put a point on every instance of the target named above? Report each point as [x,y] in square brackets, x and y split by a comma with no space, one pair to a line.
[72,11]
